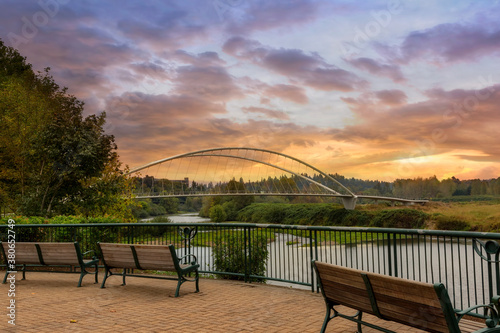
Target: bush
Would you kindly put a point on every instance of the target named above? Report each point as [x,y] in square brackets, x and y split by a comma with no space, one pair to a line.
[25,234]
[229,255]
[230,210]
[399,218]
[217,214]
[87,237]
[450,223]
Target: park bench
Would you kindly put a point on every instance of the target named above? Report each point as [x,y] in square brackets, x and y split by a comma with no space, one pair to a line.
[31,255]
[147,257]
[422,305]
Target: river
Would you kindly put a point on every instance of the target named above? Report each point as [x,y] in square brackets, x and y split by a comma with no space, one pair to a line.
[180,218]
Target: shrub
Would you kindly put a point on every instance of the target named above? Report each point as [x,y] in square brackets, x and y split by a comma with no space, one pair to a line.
[230,210]
[25,234]
[399,218]
[217,214]
[229,252]
[450,223]
[88,237]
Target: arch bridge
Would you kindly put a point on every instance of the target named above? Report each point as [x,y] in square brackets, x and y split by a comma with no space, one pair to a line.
[241,171]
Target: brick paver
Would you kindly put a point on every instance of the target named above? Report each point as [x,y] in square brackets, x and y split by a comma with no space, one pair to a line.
[47,302]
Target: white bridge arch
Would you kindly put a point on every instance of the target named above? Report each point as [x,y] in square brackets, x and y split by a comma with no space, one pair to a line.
[292,177]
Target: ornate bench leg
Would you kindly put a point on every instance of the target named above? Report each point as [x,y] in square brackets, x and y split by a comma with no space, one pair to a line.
[124,275]
[179,282]
[197,280]
[106,274]
[327,319]
[96,272]
[360,330]
[82,274]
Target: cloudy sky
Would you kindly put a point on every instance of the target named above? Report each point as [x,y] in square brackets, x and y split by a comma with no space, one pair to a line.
[368,89]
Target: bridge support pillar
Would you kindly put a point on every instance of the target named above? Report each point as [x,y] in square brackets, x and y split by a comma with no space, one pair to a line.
[349,203]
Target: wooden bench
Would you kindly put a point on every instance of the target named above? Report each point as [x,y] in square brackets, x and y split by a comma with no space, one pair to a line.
[421,305]
[30,254]
[147,257]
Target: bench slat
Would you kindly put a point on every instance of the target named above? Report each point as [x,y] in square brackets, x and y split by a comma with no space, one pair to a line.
[423,316]
[468,326]
[59,254]
[26,253]
[118,255]
[344,286]
[155,257]
[404,300]
[401,288]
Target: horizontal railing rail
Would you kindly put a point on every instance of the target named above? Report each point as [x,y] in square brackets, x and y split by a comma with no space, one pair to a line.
[466,262]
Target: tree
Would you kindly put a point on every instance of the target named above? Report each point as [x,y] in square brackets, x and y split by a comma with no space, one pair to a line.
[52,159]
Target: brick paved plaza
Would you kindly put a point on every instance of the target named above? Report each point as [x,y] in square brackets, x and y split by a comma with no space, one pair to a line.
[48,302]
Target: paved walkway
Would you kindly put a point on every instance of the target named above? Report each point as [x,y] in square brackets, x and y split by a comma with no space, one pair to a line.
[49,302]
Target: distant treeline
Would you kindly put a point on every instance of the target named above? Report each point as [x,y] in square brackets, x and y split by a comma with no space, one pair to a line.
[416,188]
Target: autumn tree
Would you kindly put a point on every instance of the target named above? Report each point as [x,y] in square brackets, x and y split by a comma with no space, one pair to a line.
[52,159]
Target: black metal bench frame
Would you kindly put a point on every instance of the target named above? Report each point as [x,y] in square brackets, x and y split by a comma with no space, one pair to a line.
[39,255]
[182,270]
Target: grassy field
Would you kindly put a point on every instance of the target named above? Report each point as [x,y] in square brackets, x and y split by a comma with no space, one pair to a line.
[472,216]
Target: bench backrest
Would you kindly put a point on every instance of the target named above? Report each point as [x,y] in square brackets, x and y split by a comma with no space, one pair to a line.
[345,286]
[408,302]
[45,253]
[59,254]
[138,256]
[26,253]
[154,257]
[117,255]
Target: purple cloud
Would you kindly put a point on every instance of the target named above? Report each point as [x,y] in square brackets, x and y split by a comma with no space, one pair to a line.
[391,97]
[310,69]
[288,92]
[376,68]
[273,114]
[452,42]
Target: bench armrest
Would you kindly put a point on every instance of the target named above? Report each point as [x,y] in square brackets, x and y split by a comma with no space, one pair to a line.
[89,251]
[189,255]
[491,322]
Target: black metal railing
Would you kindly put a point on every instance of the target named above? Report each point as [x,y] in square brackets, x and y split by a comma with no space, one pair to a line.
[466,262]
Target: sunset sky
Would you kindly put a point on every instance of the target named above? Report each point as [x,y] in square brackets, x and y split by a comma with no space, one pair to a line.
[368,89]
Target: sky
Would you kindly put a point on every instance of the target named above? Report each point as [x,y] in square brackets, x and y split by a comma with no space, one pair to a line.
[367,89]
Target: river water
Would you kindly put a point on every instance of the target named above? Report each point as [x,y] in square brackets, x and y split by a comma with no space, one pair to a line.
[456,265]
[181,218]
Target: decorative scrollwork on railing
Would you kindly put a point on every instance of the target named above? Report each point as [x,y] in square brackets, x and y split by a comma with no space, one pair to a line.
[188,233]
[489,248]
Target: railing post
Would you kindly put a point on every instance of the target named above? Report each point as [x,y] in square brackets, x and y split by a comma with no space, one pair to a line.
[245,252]
[389,258]
[316,256]
[249,254]
[395,249]
[312,258]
